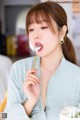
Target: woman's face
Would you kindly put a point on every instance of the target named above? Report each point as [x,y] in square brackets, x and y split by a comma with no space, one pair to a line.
[41,34]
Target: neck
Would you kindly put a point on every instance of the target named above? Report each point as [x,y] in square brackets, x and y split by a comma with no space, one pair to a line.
[51,62]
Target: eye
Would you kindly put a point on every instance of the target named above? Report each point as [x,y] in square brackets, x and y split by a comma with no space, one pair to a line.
[44,27]
[30,30]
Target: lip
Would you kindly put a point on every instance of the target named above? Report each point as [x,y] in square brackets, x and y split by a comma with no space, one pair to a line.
[40,48]
[37,44]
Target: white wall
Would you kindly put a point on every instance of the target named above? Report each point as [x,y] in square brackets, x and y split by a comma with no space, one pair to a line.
[0,16]
[66,6]
[4,3]
[19,2]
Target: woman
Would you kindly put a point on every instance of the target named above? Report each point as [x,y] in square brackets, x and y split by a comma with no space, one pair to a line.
[39,93]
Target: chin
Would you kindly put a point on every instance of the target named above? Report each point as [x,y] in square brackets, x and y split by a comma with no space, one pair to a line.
[42,55]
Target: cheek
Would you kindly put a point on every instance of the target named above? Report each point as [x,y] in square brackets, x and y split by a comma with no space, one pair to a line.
[31,45]
[52,39]
[30,39]
[52,42]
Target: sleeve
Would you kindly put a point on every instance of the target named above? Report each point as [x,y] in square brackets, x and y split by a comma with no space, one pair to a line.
[78,87]
[14,108]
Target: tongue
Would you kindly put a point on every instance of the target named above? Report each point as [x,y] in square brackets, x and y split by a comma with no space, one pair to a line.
[38,46]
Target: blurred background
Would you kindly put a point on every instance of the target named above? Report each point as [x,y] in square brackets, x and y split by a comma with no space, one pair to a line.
[14,43]
[13,38]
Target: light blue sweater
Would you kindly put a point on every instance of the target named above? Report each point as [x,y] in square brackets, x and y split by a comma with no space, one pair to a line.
[63,87]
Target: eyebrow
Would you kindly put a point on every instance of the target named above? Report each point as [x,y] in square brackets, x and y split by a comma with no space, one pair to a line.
[40,22]
[43,21]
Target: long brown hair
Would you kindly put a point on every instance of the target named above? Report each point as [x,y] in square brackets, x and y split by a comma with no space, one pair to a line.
[46,11]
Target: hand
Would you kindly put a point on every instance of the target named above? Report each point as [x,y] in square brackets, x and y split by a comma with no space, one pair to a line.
[32,86]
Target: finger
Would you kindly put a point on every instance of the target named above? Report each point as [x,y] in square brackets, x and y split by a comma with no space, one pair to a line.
[34,77]
[30,79]
[29,82]
[31,71]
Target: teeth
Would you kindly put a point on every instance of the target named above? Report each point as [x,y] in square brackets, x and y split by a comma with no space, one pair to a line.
[37,48]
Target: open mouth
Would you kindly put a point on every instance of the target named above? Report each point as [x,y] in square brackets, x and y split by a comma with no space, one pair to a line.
[38,47]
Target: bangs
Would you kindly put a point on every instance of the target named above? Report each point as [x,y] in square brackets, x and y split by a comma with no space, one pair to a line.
[37,16]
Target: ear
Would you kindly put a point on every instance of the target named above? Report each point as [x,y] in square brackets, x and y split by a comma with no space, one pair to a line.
[63,31]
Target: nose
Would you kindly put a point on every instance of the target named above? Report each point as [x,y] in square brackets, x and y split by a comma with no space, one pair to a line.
[37,34]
